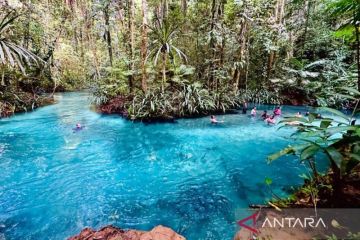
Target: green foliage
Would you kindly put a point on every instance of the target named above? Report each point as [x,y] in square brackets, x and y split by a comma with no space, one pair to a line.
[13,100]
[69,72]
[257,51]
[259,96]
[192,100]
[347,8]
[12,54]
[186,101]
[154,104]
[164,35]
[350,236]
[336,137]
[112,84]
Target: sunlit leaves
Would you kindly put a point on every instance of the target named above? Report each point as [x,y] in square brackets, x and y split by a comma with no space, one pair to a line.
[338,140]
[12,54]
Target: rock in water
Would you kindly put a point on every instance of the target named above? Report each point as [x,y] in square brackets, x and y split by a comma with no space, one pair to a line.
[114,233]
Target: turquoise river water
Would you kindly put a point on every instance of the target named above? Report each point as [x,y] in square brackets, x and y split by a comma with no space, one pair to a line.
[192,176]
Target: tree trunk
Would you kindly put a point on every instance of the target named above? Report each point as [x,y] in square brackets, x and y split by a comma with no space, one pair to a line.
[270,64]
[52,45]
[131,11]
[164,58]
[184,6]
[247,63]
[279,14]
[308,8]
[165,9]
[144,43]
[94,52]
[107,32]
[212,44]
[236,78]
[122,25]
[357,33]
[242,58]
[27,29]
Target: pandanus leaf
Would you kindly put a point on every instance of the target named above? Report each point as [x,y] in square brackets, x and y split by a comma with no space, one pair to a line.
[8,54]
[334,155]
[346,96]
[309,152]
[2,54]
[335,112]
[342,129]
[283,152]
[351,90]
[325,123]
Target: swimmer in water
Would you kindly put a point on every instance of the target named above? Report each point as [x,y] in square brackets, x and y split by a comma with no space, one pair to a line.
[264,115]
[270,120]
[277,111]
[298,114]
[253,112]
[213,120]
[318,116]
[244,109]
[78,127]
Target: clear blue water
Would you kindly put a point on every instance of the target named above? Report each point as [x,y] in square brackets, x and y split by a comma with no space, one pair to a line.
[191,176]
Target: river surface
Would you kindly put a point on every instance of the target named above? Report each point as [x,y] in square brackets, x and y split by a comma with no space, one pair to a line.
[192,176]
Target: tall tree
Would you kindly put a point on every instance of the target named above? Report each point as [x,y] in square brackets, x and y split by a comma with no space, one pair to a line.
[144,43]
[107,31]
[131,48]
[350,11]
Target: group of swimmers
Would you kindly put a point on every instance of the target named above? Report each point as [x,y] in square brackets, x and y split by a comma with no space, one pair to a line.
[269,119]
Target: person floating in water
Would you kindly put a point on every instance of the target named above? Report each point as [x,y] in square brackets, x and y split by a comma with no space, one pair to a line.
[277,111]
[78,127]
[270,120]
[244,109]
[265,115]
[298,114]
[295,123]
[253,112]
[214,120]
[318,116]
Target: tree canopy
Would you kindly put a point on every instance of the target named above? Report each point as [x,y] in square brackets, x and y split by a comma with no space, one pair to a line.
[220,51]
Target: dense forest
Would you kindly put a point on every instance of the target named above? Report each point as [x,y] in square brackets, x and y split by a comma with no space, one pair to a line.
[162,59]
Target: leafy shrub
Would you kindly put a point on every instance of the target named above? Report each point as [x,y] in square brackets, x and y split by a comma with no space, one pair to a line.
[154,104]
[259,96]
[116,105]
[188,101]
[20,101]
[193,100]
[109,87]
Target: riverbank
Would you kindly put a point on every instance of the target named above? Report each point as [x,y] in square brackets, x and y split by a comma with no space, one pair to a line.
[188,102]
[11,103]
[160,106]
[114,233]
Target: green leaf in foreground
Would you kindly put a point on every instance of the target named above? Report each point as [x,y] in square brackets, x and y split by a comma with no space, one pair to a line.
[268,181]
[281,153]
[335,112]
